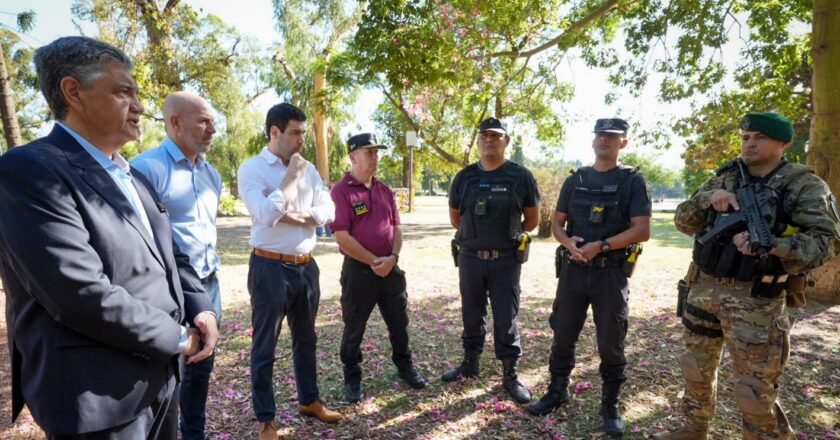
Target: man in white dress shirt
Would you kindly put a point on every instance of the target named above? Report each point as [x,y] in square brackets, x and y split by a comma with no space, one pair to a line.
[287,200]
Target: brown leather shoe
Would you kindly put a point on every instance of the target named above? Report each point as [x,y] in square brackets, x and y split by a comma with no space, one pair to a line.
[268,430]
[320,411]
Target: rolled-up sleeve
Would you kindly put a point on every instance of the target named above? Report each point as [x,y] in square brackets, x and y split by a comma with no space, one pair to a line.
[322,209]
[264,210]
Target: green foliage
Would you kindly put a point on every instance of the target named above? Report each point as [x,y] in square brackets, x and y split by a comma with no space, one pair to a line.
[227,206]
[445,66]
[685,42]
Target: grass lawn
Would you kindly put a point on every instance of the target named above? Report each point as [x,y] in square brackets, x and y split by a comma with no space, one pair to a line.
[478,408]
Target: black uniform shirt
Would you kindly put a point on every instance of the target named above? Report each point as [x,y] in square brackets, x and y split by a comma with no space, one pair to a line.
[638,203]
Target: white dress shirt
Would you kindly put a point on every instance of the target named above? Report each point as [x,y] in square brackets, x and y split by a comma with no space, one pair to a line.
[266,171]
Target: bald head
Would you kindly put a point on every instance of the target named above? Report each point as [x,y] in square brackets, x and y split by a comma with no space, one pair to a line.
[189,123]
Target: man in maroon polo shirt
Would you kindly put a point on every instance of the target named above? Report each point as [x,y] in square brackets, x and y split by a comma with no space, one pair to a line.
[367,230]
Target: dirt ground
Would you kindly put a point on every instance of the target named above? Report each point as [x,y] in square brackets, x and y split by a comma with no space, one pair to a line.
[478,408]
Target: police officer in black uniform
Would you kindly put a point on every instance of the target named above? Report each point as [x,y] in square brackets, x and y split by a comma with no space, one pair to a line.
[603,212]
[487,202]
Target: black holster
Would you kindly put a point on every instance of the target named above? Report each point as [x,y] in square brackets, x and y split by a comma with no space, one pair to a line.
[559,256]
[682,293]
[454,246]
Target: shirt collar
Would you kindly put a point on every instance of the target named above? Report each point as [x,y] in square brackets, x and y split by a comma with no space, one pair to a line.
[269,157]
[177,155]
[352,180]
[100,157]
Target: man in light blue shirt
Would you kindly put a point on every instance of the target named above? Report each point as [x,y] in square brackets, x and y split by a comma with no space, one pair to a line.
[189,188]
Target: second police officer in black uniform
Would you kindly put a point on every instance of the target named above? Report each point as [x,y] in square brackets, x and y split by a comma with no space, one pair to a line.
[487,202]
[603,212]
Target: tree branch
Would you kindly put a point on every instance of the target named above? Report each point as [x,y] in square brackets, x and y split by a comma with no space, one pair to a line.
[440,151]
[605,8]
[281,60]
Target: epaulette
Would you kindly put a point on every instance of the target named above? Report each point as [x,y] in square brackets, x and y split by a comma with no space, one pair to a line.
[728,166]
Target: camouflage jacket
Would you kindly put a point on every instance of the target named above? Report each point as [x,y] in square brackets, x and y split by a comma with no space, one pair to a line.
[808,202]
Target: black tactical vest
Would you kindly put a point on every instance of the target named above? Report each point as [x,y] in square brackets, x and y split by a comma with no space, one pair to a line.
[720,257]
[490,210]
[594,211]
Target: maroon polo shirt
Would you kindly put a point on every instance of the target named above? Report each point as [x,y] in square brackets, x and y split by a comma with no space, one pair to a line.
[369,215]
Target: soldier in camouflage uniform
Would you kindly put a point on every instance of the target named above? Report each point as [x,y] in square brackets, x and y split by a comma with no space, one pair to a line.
[739,300]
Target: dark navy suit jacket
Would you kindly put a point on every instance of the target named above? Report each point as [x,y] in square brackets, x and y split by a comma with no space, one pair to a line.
[93,303]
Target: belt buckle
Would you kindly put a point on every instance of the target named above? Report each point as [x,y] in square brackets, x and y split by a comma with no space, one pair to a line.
[301,257]
[487,254]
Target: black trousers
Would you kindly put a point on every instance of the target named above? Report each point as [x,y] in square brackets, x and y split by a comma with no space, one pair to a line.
[361,291]
[282,290]
[157,422]
[606,290]
[499,280]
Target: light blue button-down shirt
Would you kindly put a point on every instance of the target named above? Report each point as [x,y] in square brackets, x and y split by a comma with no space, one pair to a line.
[191,195]
[119,171]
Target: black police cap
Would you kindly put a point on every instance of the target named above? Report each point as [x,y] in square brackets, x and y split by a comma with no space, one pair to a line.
[611,125]
[363,140]
[493,124]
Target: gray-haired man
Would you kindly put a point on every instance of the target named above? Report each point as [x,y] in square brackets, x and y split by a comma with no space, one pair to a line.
[97,295]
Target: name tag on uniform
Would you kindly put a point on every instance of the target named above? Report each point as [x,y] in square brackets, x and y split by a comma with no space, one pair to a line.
[498,188]
[360,207]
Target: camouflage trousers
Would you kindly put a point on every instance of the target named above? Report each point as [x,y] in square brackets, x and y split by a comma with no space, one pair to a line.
[756,333]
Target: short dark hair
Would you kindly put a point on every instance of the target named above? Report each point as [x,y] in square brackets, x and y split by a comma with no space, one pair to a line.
[280,115]
[77,57]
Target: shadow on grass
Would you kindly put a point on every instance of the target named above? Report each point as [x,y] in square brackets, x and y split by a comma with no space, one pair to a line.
[479,408]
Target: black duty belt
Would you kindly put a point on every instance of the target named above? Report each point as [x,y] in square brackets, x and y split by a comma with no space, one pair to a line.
[487,254]
[600,261]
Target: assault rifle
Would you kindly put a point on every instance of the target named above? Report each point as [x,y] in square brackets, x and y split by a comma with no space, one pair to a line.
[758,211]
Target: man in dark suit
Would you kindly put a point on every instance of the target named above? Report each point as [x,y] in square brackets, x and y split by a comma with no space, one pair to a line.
[97,296]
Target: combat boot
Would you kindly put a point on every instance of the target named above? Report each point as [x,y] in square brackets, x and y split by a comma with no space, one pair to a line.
[468,368]
[353,390]
[691,430]
[557,394]
[610,415]
[511,382]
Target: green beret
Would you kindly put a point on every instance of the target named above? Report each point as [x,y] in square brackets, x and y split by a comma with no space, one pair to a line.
[772,125]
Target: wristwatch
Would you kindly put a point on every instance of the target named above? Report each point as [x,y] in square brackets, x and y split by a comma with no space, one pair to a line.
[605,246]
[396,257]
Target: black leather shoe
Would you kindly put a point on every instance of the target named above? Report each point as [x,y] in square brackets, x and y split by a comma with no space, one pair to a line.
[354,392]
[413,378]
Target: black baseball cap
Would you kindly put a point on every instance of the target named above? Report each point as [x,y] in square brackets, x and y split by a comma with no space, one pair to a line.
[493,124]
[611,125]
[363,140]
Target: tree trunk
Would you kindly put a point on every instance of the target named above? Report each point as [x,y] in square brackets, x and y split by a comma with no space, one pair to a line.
[824,153]
[319,127]
[406,174]
[11,129]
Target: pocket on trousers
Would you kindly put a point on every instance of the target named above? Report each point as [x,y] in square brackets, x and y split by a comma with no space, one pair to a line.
[690,368]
